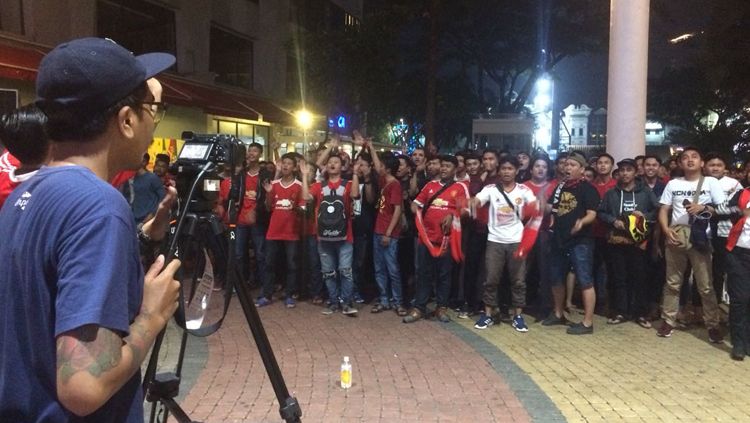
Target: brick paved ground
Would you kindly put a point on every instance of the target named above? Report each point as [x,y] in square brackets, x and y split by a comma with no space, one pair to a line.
[428,371]
[420,372]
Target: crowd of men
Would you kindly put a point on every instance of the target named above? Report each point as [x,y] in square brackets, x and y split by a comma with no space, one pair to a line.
[491,234]
[483,234]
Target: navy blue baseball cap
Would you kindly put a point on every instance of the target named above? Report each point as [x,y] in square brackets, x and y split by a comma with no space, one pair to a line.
[91,74]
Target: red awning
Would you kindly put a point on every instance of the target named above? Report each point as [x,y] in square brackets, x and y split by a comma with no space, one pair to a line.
[22,63]
[217,101]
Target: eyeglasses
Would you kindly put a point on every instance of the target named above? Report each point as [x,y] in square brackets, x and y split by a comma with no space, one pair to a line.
[157,110]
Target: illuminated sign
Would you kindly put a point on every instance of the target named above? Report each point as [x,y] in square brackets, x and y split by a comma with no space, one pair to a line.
[338,122]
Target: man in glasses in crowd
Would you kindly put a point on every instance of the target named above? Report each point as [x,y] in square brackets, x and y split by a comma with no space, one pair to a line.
[77,313]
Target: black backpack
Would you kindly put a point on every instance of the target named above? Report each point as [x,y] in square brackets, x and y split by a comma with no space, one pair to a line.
[332,218]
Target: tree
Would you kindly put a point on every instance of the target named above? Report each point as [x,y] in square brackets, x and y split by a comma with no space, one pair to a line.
[383,66]
[708,97]
[512,43]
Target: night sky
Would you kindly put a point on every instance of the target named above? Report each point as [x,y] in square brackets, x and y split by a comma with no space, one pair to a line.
[583,79]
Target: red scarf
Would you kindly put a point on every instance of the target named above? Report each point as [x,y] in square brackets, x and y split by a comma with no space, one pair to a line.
[531,230]
[454,239]
[736,231]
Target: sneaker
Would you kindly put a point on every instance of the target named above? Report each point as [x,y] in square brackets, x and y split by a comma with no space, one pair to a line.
[332,308]
[413,315]
[317,300]
[715,336]
[290,303]
[348,310]
[377,308]
[580,329]
[401,311]
[463,315]
[519,324]
[553,320]
[442,314]
[484,322]
[262,302]
[358,299]
[738,352]
[665,331]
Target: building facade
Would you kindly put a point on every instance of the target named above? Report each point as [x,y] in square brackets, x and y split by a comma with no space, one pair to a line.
[236,62]
[583,128]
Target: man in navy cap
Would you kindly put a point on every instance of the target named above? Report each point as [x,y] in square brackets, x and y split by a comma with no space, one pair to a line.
[77,313]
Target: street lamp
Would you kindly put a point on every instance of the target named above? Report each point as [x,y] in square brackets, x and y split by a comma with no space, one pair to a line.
[304,119]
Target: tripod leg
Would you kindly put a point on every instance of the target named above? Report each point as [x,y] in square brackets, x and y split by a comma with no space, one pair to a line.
[288,405]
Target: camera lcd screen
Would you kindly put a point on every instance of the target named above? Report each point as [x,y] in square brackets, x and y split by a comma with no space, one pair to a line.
[194,151]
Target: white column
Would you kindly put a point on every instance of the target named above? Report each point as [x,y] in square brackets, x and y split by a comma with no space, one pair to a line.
[628,66]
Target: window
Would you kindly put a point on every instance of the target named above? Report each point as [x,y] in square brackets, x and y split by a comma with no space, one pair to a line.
[247,132]
[231,58]
[11,16]
[350,20]
[580,132]
[8,100]
[137,25]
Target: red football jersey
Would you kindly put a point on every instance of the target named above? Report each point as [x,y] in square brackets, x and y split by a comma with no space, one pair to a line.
[549,191]
[250,200]
[121,178]
[446,203]
[316,190]
[8,180]
[285,220]
[390,196]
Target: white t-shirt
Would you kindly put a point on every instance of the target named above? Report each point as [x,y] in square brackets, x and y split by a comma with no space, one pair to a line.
[678,190]
[505,225]
[730,186]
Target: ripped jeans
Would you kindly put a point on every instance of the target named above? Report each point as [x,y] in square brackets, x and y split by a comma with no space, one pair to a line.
[336,260]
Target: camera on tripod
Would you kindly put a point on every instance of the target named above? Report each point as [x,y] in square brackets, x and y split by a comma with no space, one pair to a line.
[199,151]
[206,247]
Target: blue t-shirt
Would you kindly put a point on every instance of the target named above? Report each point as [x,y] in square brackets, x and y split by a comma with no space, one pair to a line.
[68,257]
[145,192]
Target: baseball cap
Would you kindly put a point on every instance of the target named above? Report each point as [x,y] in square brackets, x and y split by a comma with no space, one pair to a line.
[579,158]
[627,162]
[90,74]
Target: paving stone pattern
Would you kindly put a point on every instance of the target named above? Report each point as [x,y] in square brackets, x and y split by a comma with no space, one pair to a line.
[432,372]
[416,373]
[624,373]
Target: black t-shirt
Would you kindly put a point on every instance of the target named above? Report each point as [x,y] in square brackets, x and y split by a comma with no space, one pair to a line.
[572,205]
[364,218]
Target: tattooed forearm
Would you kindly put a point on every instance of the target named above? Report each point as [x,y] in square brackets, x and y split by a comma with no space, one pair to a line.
[140,338]
[91,349]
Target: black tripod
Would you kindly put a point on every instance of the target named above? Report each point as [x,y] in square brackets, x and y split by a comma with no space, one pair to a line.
[206,250]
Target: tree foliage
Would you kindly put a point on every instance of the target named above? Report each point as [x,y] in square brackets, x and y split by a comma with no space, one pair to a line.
[489,54]
[708,96]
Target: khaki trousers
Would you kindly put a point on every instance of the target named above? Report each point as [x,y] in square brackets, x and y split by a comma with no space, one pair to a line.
[677,260]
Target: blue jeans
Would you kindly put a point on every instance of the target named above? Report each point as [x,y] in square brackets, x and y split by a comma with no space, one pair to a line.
[579,256]
[313,266]
[256,234]
[387,274]
[336,258]
[273,248]
[437,271]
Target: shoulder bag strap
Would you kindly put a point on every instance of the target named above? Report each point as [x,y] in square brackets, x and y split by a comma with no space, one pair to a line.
[435,196]
[507,200]
[697,195]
